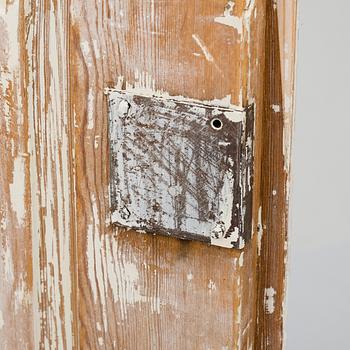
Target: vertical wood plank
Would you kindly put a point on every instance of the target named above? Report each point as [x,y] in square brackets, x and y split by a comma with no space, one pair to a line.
[52,188]
[15,234]
[277,130]
[141,291]
[36,215]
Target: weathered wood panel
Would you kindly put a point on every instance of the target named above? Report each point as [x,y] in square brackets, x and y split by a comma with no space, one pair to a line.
[68,278]
[139,291]
[277,130]
[52,195]
[16,278]
[37,226]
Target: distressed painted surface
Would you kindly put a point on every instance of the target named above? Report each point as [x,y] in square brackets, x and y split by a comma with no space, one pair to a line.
[36,228]
[15,233]
[173,172]
[145,291]
[51,181]
[68,279]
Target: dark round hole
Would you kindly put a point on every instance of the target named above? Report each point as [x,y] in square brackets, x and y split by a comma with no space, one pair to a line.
[216,124]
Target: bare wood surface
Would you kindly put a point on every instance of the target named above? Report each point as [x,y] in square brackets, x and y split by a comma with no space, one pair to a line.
[277,130]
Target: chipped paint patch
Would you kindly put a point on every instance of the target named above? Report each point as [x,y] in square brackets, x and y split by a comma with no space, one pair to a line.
[228,19]
[22,295]
[145,85]
[17,189]
[2,322]
[270,294]
[208,56]
[7,264]
[260,229]
[235,117]
[203,47]
[241,259]
[211,285]
[276,108]
[189,277]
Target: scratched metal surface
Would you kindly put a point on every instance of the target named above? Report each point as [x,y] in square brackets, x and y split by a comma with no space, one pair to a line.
[173,173]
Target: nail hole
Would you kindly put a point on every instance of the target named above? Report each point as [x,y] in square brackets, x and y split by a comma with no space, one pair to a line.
[216,124]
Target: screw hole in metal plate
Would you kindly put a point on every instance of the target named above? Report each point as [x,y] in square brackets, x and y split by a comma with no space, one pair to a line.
[216,124]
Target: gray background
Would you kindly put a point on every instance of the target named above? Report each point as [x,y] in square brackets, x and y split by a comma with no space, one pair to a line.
[318,303]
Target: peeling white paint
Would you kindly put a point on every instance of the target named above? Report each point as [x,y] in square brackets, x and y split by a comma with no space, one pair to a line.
[211,285]
[145,86]
[270,294]
[90,109]
[260,229]
[241,259]
[235,117]
[2,322]
[50,185]
[208,56]
[91,261]
[189,277]
[229,19]
[22,296]
[8,264]
[203,47]
[17,189]
[276,108]
[97,141]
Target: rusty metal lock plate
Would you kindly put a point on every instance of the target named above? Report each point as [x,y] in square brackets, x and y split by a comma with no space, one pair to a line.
[181,168]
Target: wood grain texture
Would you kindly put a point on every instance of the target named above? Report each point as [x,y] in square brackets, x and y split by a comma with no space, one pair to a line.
[68,279]
[16,278]
[141,291]
[277,130]
[51,174]
[37,228]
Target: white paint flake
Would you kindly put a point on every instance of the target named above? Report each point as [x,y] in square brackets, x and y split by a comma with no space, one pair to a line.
[17,189]
[7,264]
[226,242]
[189,277]
[2,323]
[235,117]
[270,294]
[208,56]
[241,259]
[229,19]
[276,108]
[203,47]
[145,86]
[211,285]
[90,110]
[260,229]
